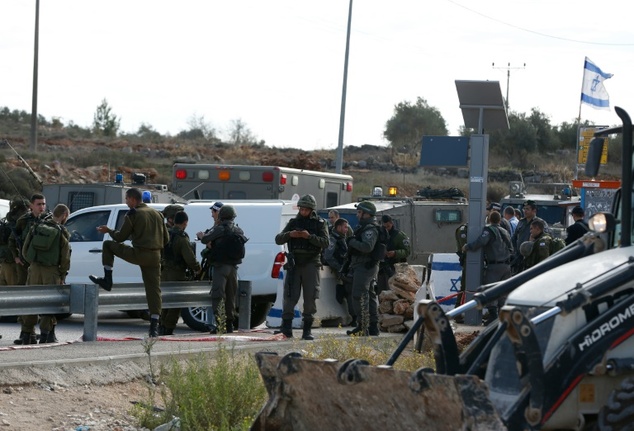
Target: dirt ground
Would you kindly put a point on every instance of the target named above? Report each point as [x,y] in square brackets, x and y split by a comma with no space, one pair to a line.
[57,408]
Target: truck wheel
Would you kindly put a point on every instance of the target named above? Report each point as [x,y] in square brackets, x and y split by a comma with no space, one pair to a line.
[196,317]
[618,413]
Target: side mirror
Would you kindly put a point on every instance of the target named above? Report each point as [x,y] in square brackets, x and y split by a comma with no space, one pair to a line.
[593,161]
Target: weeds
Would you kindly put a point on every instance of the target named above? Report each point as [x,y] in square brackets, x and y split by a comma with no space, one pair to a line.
[223,393]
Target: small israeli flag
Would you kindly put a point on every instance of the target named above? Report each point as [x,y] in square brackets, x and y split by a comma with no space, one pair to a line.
[593,92]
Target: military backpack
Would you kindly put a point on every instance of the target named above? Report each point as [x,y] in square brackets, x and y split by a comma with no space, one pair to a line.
[556,244]
[44,245]
[230,247]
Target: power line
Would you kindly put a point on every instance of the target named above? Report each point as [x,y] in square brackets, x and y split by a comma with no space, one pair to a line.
[508,77]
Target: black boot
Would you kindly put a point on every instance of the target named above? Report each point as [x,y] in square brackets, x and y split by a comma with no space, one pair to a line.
[51,336]
[105,282]
[154,328]
[373,330]
[161,330]
[26,338]
[286,329]
[353,323]
[306,335]
[229,327]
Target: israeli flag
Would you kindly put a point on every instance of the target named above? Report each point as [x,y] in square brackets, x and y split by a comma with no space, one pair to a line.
[593,92]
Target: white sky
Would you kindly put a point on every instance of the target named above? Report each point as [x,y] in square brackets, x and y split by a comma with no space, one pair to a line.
[278,65]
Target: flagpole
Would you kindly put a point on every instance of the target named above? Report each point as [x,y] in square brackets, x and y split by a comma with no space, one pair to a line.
[579,122]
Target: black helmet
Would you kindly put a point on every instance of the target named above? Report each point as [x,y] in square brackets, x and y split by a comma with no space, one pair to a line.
[367,207]
[307,201]
[227,212]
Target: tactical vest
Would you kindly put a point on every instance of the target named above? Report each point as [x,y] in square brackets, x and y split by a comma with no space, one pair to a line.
[313,226]
[171,258]
[45,244]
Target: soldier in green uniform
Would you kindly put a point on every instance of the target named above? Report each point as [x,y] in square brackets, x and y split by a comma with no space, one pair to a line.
[47,250]
[178,257]
[169,212]
[541,244]
[8,267]
[398,249]
[365,267]
[144,226]
[306,236]
[36,214]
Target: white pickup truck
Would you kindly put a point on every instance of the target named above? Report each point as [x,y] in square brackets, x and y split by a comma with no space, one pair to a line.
[260,220]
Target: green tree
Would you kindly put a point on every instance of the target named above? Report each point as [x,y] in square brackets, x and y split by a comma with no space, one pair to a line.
[105,123]
[410,122]
[199,128]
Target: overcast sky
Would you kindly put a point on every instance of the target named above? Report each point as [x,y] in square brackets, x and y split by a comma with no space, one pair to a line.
[278,65]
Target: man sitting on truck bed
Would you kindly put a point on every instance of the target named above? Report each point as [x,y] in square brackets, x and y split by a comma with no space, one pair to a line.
[145,227]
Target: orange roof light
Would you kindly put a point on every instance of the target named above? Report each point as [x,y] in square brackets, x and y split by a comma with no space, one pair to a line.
[224,175]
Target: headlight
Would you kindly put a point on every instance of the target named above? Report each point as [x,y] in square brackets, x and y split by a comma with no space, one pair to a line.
[602,222]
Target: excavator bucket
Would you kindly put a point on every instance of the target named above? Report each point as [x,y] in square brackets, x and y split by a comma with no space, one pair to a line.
[307,395]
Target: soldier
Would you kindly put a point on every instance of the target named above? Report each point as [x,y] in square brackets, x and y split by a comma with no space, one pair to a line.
[522,234]
[540,249]
[47,249]
[8,267]
[398,250]
[306,236]
[145,227]
[36,214]
[461,241]
[333,216]
[496,207]
[178,257]
[498,250]
[365,267]
[206,252]
[335,256]
[204,236]
[169,212]
[226,242]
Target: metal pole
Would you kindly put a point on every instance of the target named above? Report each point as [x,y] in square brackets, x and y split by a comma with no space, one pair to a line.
[342,118]
[508,78]
[33,134]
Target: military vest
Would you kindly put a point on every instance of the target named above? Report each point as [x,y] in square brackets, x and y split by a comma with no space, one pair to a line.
[313,226]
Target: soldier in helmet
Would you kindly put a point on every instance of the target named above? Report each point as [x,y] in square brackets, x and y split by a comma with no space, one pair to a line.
[365,268]
[169,212]
[306,236]
[226,244]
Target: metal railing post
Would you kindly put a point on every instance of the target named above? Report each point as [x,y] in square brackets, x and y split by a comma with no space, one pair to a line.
[91,309]
[244,304]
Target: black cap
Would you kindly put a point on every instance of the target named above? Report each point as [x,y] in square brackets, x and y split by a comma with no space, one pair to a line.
[216,206]
[494,206]
[385,218]
[578,210]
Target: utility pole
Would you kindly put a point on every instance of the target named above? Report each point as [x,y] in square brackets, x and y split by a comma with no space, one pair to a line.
[33,134]
[342,118]
[508,77]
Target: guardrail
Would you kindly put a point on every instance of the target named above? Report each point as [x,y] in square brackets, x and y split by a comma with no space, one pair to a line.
[88,299]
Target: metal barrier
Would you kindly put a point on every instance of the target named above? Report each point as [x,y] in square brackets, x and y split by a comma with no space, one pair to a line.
[88,299]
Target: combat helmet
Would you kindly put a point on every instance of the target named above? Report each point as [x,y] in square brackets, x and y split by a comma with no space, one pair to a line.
[171,210]
[307,201]
[526,248]
[367,207]
[227,212]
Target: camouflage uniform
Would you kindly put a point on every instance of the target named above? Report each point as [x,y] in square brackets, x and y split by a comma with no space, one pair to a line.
[304,276]
[178,256]
[47,267]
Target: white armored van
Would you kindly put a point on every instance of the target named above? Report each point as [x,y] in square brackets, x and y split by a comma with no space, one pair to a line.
[261,221]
